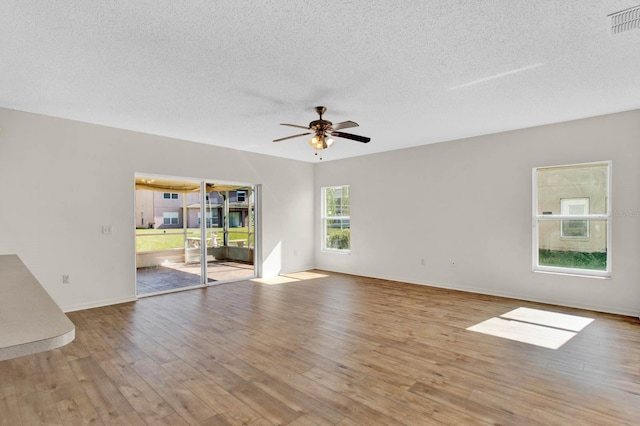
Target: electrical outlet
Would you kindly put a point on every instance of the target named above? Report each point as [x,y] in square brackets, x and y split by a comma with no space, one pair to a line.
[422,262]
[66,279]
[106,229]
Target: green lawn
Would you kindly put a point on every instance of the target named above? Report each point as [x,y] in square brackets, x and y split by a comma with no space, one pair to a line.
[162,239]
[573,259]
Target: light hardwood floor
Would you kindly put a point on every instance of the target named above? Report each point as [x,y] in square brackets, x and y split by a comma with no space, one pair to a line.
[332,350]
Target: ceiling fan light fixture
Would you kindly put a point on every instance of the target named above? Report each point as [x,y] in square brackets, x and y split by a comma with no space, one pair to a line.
[315,142]
[320,142]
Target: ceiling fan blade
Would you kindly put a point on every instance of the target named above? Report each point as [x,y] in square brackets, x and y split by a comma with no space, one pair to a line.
[362,139]
[295,125]
[291,137]
[344,125]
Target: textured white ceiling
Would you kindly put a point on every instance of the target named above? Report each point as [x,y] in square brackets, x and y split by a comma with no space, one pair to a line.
[228,72]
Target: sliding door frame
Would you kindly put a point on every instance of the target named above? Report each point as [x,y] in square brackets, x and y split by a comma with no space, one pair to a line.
[254,215]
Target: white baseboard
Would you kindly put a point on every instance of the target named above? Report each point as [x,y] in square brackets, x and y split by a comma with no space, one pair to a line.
[98,304]
[479,290]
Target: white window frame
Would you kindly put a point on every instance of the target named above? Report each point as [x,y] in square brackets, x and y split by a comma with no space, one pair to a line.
[244,196]
[325,219]
[171,216]
[545,216]
[170,195]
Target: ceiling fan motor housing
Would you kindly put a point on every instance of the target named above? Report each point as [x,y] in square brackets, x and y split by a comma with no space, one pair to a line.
[320,125]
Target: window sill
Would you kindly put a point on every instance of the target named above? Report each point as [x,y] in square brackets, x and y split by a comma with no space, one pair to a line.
[580,273]
[336,251]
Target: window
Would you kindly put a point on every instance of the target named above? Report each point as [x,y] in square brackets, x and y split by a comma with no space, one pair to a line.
[170,196]
[336,219]
[235,220]
[572,219]
[574,228]
[241,196]
[170,218]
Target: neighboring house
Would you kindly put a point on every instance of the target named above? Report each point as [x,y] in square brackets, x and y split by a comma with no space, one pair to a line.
[165,210]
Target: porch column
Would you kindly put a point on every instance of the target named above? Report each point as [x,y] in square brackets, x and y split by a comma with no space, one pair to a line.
[184,219]
[225,218]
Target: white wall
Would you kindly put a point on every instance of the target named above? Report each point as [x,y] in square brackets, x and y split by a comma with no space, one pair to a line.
[62,180]
[469,202]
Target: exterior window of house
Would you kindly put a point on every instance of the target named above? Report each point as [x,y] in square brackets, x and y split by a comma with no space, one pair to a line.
[235,220]
[572,219]
[170,218]
[574,228]
[241,196]
[170,196]
[336,219]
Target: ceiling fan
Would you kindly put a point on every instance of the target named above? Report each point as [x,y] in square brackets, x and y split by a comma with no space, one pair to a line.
[322,131]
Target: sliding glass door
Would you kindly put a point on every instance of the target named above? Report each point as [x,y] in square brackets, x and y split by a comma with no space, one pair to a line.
[192,233]
[231,254]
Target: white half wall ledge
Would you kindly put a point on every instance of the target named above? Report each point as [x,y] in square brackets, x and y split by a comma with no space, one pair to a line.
[30,321]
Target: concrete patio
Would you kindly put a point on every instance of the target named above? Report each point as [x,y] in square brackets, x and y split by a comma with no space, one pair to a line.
[173,276]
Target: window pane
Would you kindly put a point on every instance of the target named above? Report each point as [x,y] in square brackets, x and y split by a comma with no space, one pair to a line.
[337,201]
[170,218]
[563,190]
[338,234]
[336,218]
[588,252]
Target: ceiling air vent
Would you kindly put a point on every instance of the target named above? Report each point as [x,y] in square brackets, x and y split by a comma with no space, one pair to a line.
[625,20]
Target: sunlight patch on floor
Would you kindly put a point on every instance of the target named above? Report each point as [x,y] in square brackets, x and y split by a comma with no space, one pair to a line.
[289,278]
[538,335]
[534,326]
[280,279]
[549,319]
[305,275]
